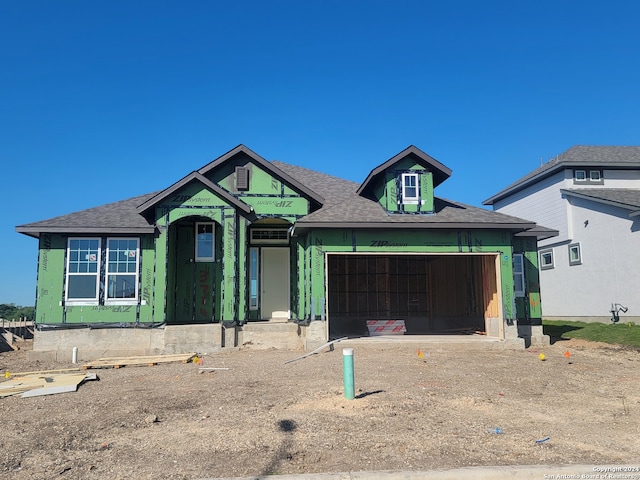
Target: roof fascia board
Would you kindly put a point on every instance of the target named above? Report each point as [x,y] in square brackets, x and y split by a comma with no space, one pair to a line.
[625,206]
[266,165]
[35,231]
[416,225]
[194,176]
[522,185]
[539,234]
[412,149]
[562,165]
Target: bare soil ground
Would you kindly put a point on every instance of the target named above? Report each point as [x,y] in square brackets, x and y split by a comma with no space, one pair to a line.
[263,416]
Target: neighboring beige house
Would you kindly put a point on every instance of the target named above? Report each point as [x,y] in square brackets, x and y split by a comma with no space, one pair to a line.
[591,195]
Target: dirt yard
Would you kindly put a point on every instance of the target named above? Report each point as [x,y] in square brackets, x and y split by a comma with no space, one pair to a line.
[262,416]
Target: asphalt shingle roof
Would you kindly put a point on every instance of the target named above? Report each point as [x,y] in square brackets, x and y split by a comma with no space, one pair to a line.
[624,197]
[117,217]
[342,206]
[577,156]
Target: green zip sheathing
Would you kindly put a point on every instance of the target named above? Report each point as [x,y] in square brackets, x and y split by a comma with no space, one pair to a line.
[51,307]
[319,243]
[389,188]
[50,278]
[529,308]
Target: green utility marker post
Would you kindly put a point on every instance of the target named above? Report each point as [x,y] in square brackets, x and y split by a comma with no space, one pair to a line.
[349,388]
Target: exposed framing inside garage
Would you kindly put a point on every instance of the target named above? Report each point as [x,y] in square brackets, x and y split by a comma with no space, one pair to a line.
[432,293]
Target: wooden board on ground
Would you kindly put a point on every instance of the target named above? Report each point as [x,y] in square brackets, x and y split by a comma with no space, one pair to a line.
[36,385]
[118,362]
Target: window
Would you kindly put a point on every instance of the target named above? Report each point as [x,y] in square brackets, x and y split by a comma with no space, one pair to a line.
[83,269]
[253,278]
[575,257]
[546,259]
[277,236]
[122,269]
[518,274]
[409,188]
[204,242]
[588,177]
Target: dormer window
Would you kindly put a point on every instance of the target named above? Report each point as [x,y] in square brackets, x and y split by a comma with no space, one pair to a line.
[410,188]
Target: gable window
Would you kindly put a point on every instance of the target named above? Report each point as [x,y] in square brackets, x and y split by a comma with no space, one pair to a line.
[575,256]
[588,177]
[518,274]
[409,188]
[83,269]
[204,242]
[546,259]
[122,269]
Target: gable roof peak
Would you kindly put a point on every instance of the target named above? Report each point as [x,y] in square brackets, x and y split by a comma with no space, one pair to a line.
[439,170]
[601,156]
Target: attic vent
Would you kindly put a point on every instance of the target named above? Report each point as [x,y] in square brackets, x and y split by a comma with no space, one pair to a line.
[270,235]
[242,178]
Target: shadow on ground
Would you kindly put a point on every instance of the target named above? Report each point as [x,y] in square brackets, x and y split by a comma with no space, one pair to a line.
[556,332]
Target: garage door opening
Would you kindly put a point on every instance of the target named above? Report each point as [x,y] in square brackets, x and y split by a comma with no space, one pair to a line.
[429,294]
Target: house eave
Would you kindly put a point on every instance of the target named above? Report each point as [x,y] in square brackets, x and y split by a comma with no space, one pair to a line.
[417,225]
[573,193]
[552,171]
[36,231]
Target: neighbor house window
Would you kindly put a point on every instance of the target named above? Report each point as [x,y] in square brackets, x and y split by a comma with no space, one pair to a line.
[83,269]
[204,242]
[518,274]
[588,176]
[122,269]
[546,259]
[409,188]
[580,175]
[575,257]
[253,278]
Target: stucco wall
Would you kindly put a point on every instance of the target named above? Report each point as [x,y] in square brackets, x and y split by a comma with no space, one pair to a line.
[609,270]
[541,203]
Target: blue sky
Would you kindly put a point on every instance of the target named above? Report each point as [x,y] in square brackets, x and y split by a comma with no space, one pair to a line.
[102,101]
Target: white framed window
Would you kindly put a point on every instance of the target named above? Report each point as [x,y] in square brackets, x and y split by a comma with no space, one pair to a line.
[410,188]
[122,270]
[575,255]
[546,259]
[205,242]
[580,175]
[595,175]
[518,274]
[83,271]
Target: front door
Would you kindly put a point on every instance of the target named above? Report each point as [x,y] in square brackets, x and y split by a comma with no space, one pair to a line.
[275,284]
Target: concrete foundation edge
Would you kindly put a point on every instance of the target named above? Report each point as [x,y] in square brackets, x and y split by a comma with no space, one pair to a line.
[523,472]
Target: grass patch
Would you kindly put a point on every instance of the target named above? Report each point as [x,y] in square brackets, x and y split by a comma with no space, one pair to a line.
[627,334]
